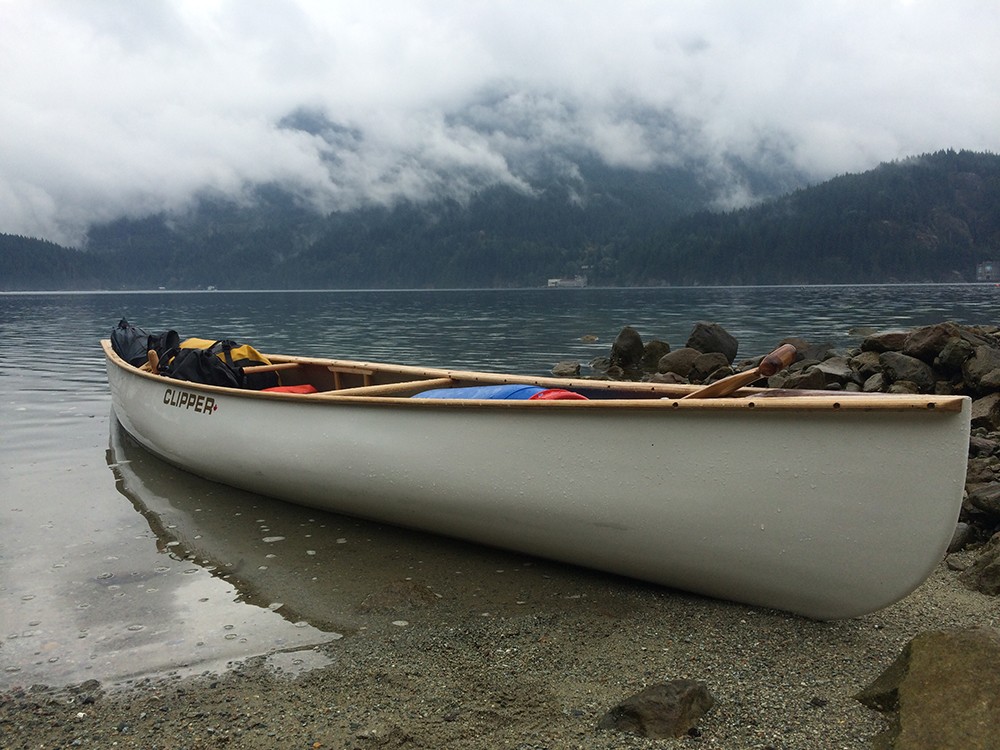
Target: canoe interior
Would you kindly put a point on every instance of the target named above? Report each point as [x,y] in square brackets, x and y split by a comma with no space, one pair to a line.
[374,382]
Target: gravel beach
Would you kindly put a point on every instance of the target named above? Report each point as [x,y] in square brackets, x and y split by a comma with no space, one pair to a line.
[426,669]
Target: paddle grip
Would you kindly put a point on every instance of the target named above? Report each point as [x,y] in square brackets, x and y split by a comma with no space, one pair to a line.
[777,360]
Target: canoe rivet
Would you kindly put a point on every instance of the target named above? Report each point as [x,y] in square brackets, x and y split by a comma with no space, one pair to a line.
[836,404]
[751,405]
[675,404]
[930,406]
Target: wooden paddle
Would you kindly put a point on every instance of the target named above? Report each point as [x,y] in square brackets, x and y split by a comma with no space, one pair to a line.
[774,362]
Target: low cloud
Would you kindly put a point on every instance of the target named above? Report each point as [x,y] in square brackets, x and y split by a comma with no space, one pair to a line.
[112,108]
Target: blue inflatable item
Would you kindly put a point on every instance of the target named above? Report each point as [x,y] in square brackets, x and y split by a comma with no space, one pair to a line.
[512,391]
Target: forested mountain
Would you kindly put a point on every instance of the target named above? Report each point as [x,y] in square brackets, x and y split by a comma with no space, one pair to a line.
[32,264]
[929,218]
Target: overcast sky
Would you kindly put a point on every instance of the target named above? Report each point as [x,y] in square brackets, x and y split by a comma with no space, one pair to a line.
[135,106]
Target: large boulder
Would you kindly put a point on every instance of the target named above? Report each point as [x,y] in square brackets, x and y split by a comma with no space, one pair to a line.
[897,366]
[927,342]
[652,352]
[626,351]
[943,691]
[711,337]
[953,355]
[678,361]
[981,364]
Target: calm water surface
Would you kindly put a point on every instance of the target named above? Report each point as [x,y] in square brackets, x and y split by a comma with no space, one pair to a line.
[115,566]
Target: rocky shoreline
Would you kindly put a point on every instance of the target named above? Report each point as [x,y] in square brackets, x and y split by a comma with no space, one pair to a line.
[557,667]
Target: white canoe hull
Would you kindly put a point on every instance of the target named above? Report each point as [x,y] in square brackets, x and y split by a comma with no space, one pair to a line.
[822,511]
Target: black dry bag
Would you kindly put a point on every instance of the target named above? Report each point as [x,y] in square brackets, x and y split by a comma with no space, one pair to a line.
[202,366]
[132,343]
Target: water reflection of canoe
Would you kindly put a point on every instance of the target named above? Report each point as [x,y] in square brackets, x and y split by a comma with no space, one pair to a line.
[256,544]
[826,505]
[335,572]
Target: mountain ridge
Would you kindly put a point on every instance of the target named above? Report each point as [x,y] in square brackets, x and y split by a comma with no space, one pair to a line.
[932,217]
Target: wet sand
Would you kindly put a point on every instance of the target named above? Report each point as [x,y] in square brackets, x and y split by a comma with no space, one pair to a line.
[426,668]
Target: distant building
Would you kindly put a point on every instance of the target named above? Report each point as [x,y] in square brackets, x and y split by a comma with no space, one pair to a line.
[571,282]
[988,271]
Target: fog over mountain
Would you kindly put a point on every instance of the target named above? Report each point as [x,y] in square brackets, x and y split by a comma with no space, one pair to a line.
[112,108]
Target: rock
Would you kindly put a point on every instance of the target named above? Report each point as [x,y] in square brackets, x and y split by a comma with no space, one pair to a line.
[678,361]
[943,691]
[962,536]
[986,498]
[982,446]
[711,337]
[865,364]
[661,711]
[707,364]
[652,353]
[990,381]
[986,412]
[626,351]
[927,342]
[984,360]
[887,341]
[956,562]
[984,574]
[953,355]
[836,370]
[980,470]
[875,383]
[667,377]
[810,380]
[898,366]
[600,365]
[566,369]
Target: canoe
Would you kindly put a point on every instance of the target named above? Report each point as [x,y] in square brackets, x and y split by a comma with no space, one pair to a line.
[825,504]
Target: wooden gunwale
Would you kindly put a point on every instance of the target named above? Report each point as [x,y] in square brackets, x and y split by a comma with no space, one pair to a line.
[647,395]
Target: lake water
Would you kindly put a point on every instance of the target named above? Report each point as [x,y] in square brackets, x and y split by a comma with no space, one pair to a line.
[115,566]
